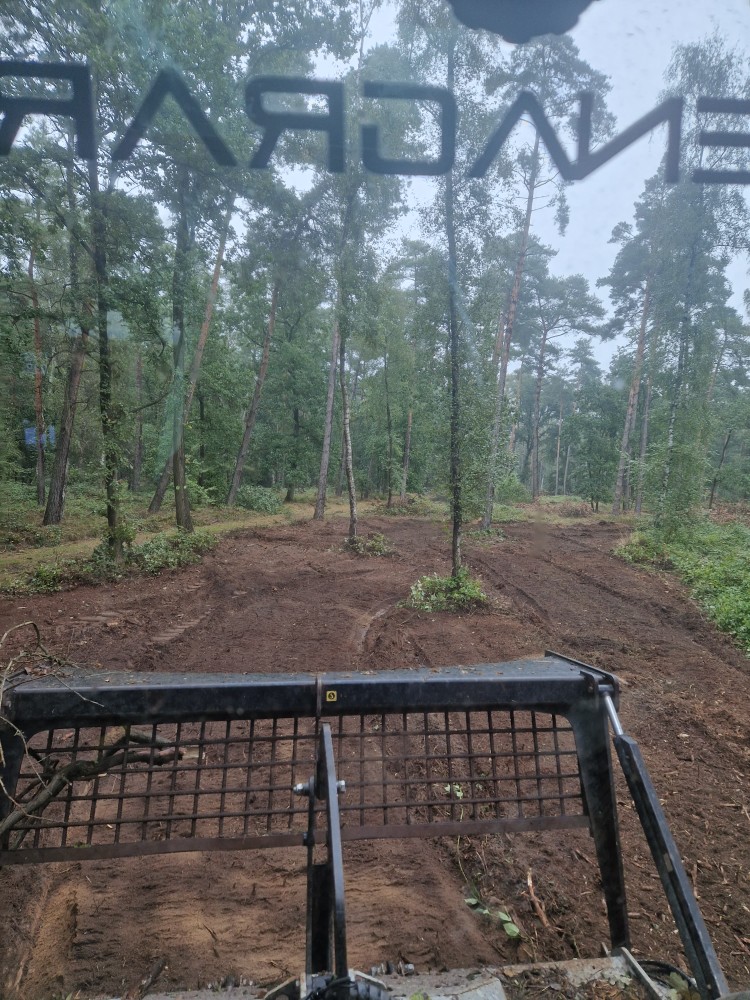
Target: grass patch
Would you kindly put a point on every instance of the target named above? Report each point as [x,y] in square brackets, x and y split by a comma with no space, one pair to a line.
[714,561]
[447,593]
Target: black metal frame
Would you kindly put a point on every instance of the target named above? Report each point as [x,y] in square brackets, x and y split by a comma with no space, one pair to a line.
[326,910]
[692,929]
[440,707]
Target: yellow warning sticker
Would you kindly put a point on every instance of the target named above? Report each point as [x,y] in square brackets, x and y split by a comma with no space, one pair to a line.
[331,695]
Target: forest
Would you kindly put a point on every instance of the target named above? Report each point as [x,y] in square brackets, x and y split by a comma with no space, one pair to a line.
[178,332]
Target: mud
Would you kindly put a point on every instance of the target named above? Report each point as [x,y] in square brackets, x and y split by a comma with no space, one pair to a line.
[290,599]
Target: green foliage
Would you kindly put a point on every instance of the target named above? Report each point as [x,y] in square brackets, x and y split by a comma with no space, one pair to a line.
[681,988]
[199,496]
[163,551]
[260,499]
[510,490]
[478,906]
[594,431]
[447,593]
[675,498]
[46,579]
[374,545]
[715,562]
[169,551]
[644,549]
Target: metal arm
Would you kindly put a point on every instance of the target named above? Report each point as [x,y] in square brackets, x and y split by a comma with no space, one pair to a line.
[326,912]
[692,929]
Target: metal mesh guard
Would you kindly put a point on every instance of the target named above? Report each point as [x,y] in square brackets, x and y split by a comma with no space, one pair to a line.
[116,791]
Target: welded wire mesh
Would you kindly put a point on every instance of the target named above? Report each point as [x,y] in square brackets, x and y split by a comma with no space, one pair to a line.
[205,785]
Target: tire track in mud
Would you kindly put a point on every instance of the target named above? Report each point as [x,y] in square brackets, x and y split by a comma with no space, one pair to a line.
[505,577]
[674,611]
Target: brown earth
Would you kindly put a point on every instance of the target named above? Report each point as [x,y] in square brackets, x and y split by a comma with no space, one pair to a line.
[290,599]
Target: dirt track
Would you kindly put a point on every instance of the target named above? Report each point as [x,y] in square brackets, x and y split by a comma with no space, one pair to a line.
[288,598]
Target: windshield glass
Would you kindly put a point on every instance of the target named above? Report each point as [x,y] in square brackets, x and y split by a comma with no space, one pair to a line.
[320,320]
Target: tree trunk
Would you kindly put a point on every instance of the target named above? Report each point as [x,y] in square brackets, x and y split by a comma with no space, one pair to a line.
[106,411]
[389,429]
[339,491]
[721,462]
[200,347]
[179,283]
[325,458]
[56,496]
[678,386]
[252,413]
[453,343]
[716,369]
[643,447]
[407,450]
[565,473]
[557,451]
[202,446]
[667,471]
[135,479]
[342,463]
[514,428]
[347,442]
[38,405]
[59,477]
[504,339]
[289,498]
[635,384]
[536,418]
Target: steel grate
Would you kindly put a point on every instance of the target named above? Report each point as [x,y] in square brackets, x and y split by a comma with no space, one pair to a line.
[114,791]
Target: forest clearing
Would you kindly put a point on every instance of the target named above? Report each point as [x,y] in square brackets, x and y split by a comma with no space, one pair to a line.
[290,598]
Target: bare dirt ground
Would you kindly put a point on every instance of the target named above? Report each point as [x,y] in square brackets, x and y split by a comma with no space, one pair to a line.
[288,598]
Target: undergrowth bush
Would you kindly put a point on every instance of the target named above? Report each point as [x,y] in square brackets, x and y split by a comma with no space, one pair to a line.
[170,551]
[644,549]
[260,499]
[446,593]
[374,545]
[199,496]
[510,490]
[46,579]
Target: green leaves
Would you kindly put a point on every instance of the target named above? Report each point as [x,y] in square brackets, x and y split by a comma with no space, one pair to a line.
[446,593]
[503,918]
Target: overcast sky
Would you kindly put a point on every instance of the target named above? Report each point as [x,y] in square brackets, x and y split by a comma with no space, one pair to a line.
[632,42]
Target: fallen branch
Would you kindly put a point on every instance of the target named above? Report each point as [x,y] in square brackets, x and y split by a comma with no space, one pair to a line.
[535,902]
[140,991]
[51,785]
